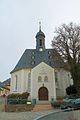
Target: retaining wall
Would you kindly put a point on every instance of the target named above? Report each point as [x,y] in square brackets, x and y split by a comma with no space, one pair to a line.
[18,108]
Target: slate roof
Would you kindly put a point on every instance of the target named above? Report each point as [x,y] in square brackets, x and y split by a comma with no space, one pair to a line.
[5,83]
[40,33]
[32,57]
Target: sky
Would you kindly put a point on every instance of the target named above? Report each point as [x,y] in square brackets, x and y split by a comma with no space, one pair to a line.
[19,24]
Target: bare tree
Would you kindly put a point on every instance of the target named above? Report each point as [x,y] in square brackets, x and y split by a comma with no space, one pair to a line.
[67,43]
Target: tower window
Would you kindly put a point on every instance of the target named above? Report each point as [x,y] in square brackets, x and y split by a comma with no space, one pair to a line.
[40,42]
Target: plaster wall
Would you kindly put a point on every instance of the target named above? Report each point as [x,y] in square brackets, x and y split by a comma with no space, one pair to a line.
[42,70]
[22,81]
[64,80]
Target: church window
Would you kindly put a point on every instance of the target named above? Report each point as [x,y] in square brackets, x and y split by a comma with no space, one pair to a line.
[56,80]
[45,79]
[40,42]
[39,79]
[29,82]
[56,77]
[16,79]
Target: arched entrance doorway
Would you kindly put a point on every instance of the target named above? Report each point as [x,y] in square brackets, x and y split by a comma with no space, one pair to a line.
[43,93]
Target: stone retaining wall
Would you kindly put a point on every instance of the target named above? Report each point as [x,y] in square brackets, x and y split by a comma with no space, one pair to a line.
[18,108]
[2,108]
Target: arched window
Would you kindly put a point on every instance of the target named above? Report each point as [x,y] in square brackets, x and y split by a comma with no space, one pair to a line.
[56,80]
[39,79]
[16,80]
[56,77]
[46,79]
[40,42]
[29,82]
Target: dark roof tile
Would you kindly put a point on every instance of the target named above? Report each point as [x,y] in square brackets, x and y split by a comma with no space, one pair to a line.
[27,61]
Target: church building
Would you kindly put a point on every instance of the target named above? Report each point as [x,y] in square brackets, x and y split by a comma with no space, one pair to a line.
[41,72]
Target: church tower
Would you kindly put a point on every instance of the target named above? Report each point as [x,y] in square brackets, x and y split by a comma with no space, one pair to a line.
[40,40]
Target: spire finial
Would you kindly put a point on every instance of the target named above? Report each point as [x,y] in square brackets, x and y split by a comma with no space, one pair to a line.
[39,25]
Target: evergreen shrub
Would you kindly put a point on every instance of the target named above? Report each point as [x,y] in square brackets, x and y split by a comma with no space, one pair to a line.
[17,98]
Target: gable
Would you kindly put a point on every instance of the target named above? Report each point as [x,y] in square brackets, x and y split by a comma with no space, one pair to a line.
[42,68]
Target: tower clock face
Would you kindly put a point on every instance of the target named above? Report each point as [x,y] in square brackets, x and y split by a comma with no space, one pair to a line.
[40,49]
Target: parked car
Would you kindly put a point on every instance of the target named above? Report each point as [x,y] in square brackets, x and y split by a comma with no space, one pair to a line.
[69,98]
[71,103]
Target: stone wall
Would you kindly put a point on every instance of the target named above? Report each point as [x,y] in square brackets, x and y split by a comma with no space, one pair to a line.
[18,108]
[2,108]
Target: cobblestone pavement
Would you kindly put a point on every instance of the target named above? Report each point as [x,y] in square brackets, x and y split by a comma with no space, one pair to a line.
[21,115]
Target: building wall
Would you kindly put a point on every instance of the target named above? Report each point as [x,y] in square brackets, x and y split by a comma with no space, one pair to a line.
[64,80]
[22,81]
[42,70]
[32,85]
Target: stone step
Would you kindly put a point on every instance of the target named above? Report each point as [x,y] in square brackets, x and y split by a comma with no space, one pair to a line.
[42,107]
[43,103]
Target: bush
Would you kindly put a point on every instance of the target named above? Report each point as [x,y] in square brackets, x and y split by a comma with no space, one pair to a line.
[24,95]
[71,90]
[17,98]
[56,103]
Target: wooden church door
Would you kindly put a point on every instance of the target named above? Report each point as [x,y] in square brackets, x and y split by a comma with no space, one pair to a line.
[43,93]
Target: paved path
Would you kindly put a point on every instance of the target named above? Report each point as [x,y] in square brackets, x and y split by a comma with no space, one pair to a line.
[33,115]
[58,116]
[21,115]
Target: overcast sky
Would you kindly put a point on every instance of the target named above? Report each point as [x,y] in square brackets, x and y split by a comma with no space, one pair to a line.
[19,24]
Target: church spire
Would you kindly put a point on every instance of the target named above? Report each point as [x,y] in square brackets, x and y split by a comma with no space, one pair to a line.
[39,25]
[40,39]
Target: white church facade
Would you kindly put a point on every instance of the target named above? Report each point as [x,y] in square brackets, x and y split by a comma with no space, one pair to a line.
[41,72]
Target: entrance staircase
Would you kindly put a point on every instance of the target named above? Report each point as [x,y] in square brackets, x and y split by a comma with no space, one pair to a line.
[42,106]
